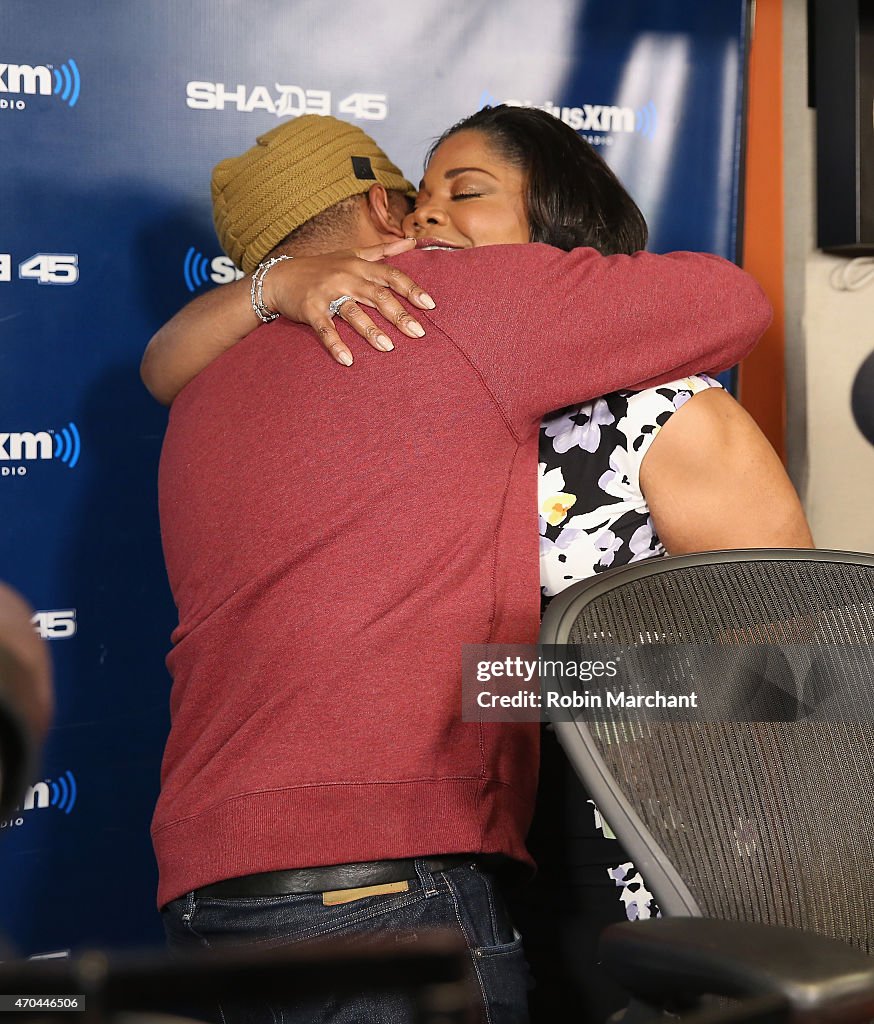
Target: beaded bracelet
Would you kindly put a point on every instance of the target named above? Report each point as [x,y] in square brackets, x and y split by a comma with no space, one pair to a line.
[261,311]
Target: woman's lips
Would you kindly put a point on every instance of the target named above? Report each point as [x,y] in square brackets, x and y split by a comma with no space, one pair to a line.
[435,243]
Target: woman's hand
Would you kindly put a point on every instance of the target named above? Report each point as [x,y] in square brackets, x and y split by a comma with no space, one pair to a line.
[301,289]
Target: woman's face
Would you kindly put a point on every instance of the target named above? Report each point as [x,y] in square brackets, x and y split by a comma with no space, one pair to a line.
[469,196]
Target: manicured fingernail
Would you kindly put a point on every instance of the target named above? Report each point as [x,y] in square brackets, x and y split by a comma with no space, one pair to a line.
[345,358]
[417,329]
[384,343]
[427,301]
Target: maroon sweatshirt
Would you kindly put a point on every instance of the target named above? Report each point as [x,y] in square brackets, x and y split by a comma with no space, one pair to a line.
[333,536]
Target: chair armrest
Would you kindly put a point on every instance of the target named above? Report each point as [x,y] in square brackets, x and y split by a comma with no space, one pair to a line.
[661,960]
[434,971]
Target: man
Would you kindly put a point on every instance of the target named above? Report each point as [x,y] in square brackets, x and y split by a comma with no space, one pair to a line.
[334,537]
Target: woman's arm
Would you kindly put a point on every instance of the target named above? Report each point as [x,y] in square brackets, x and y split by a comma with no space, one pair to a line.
[300,289]
[196,335]
[712,481]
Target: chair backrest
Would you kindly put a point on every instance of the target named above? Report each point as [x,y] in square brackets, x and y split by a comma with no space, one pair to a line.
[771,821]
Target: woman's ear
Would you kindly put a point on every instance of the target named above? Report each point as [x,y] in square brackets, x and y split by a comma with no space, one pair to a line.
[383,212]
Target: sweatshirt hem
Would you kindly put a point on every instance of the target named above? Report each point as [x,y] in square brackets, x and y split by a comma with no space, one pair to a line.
[333,824]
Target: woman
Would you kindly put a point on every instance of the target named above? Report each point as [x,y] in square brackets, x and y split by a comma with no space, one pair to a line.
[629,476]
[614,485]
[626,477]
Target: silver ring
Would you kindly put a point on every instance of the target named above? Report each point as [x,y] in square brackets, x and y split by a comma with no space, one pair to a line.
[334,307]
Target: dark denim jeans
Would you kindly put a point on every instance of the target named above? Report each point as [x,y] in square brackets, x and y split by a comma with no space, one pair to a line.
[465,898]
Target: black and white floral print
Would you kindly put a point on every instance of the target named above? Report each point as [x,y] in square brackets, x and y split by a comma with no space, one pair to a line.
[593,515]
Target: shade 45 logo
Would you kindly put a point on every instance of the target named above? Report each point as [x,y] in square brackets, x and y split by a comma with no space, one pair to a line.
[43,268]
[18,81]
[284,100]
[56,624]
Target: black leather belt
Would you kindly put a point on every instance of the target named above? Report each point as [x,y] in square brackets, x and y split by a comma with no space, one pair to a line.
[329,878]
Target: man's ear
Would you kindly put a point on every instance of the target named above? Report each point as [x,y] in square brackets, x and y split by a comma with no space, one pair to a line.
[382,213]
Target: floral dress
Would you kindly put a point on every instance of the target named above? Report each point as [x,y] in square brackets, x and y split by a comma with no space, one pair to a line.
[594,517]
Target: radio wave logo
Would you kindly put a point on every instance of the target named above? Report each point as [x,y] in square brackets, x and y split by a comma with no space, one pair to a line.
[64,792]
[645,120]
[17,80]
[196,269]
[67,82]
[199,271]
[64,445]
[68,445]
[60,793]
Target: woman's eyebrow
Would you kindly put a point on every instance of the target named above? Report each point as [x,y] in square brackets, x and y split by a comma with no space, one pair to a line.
[454,173]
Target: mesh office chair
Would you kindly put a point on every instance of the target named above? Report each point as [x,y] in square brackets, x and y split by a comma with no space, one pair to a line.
[741,820]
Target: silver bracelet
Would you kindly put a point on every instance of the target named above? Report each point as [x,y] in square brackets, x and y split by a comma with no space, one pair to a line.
[261,311]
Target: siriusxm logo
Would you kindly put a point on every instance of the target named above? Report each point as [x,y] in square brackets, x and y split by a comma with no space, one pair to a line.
[285,101]
[63,445]
[60,793]
[39,80]
[198,270]
[591,117]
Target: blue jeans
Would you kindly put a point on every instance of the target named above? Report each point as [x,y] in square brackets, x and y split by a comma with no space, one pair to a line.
[463,898]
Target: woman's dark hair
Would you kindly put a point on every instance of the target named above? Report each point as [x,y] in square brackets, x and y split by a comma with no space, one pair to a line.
[572,196]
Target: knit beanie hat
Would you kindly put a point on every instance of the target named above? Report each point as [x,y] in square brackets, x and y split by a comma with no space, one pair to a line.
[293,172]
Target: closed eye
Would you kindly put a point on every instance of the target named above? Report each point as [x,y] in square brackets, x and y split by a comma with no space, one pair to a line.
[458,195]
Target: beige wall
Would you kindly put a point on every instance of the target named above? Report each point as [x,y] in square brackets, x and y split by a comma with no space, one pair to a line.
[828,334]
[840,335]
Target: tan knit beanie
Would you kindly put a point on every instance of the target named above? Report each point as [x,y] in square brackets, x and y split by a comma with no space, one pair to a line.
[293,172]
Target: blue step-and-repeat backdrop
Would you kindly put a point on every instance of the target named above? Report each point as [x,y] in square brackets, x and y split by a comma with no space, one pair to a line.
[111,118]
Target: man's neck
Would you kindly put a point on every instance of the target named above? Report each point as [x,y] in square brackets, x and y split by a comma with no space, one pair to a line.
[355,233]
[323,245]
[316,246]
